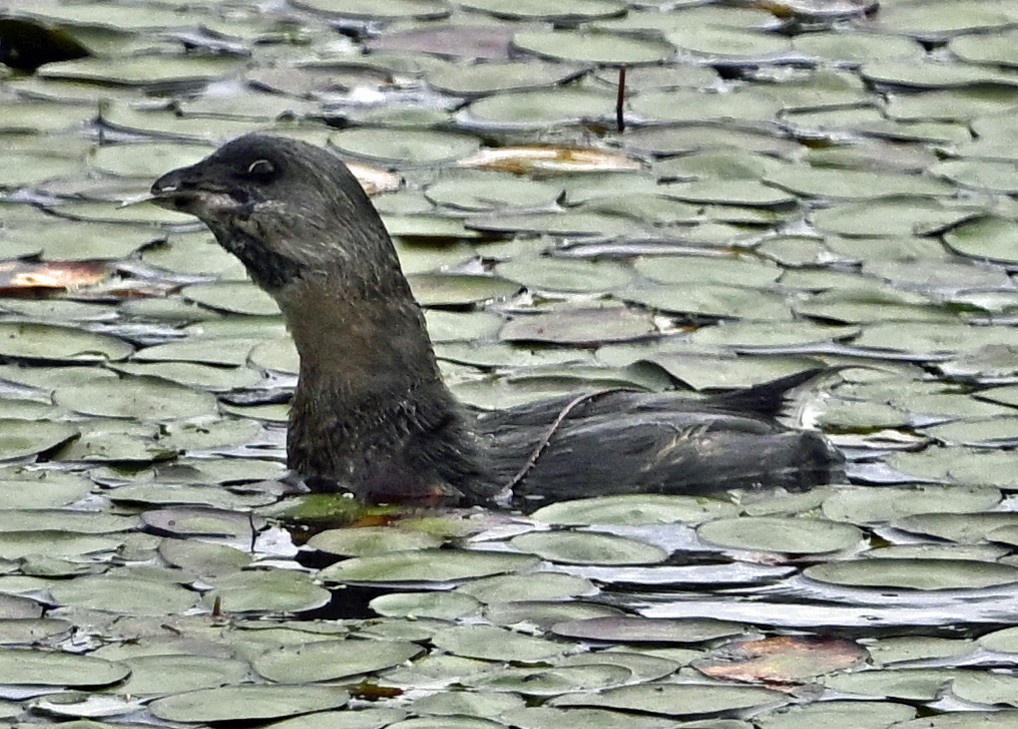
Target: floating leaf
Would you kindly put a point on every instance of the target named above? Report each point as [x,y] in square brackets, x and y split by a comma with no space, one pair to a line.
[21,438]
[647,630]
[425,565]
[914,574]
[53,668]
[579,326]
[588,548]
[674,700]
[60,344]
[138,398]
[495,644]
[603,49]
[255,703]
[332,660]
[777,534]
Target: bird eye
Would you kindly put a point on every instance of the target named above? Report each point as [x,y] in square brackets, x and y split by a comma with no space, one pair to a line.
[261,169]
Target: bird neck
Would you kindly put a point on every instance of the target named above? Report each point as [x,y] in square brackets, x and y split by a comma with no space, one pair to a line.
[364,341]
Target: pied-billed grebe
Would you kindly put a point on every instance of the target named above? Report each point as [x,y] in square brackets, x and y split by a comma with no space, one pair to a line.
[371,413]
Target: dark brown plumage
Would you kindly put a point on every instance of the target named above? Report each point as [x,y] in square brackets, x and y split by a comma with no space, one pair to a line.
[371,413]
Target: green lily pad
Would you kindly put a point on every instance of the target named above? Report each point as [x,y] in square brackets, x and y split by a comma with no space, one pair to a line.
[192,375]
[367,541]
[914,574]
[413,605]
[841,184]
[588,548]
[996,49]
[46,342]
[481,190]
[278,591]
[226,351]
[565,10]
[694,106]
[405,147]
[160,675]
[859,714]
[677,700]
[552,274]
[539,108]
[123,595]
[891,216]
[993,431]
[985,238]
[557,680]
[915,684]
[996,719]
[202,558]
[138,398]
[579,326]
[426,565]
[21,438]
[983,687]
[628,629]
[332,660]
[495,644]
[446,289]
[20,544]
[545,614]
[238,297]
[868,505]
[599,48]
[634,509]
[999,177]
[483,79]
[253,703]
[53,668]
[371,718]
[531,586]
[962,528]
[386,10]
[188,71]
[149,159]
[778,534]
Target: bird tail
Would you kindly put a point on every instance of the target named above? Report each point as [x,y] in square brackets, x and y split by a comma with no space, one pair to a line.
[768,398]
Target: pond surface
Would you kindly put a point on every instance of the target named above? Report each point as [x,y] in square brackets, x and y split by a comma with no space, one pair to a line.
[783,185]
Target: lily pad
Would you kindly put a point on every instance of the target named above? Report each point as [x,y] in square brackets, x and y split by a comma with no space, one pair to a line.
[677,700]
[42,342]
[588,548]
[633,509]
[490,643]
[53,668]
[160,675]
[21,438]
[408,147]
[582,326]
[238,297]
[599,48]
[914,574]
[138,398]
[332,660]
[778,534]
[985,238]
[124,595]
[254,703]
[426,565]
[371,540]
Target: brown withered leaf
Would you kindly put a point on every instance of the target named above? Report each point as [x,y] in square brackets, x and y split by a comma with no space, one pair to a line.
[526,160]
[22,278]
[782,659]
